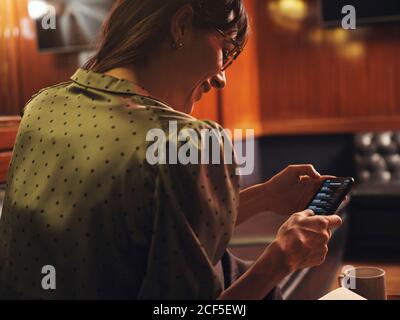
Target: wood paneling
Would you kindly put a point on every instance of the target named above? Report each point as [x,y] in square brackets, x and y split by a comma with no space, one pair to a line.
[5,158]
[326,80]
[241,97]
[39,69]
[8,133]
[23,69]
[294,77]
[10,75]
[331,125]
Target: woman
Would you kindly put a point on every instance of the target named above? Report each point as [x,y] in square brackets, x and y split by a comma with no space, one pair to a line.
[82,197]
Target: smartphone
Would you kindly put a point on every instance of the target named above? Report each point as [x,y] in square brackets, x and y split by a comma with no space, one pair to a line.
[330,195]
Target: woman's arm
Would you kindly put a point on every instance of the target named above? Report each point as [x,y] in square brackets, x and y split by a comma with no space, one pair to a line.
[287,192]
[254,200]
[301,242]
[265,274]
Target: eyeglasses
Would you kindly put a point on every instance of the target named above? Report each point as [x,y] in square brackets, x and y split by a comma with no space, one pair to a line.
[230,56]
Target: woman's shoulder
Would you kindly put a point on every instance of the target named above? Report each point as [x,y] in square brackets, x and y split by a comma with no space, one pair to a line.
[168,116]
[44,94]
[46,91]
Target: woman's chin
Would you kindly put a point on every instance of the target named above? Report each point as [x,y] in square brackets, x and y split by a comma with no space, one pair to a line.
[189,107]
[193,100]
[198,97]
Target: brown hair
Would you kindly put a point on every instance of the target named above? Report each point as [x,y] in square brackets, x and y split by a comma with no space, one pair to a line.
[135,28]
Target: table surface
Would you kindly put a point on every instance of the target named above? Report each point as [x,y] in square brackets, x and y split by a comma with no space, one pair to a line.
[392,276]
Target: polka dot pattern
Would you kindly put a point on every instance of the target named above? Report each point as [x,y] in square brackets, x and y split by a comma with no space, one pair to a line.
[81,197]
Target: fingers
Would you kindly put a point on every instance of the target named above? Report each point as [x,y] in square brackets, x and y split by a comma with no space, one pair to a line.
[321,223]
[305,170]
[328,177]
[311,184]
[304,214]
[320,226]
[329,233]
[317,238]
[319,257]
[316,223]
[305,237]
[333,221]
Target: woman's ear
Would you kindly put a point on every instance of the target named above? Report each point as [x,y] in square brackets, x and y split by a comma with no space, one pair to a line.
[181,23]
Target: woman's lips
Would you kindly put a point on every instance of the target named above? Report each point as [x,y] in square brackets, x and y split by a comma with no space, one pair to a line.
[204,88]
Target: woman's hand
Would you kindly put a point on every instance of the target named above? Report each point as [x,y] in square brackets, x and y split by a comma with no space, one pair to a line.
[302,241]
[292,189]
[289,191]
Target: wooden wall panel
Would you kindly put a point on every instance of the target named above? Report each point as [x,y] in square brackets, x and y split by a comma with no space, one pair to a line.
[318,80]
[294,77]
[8,133]
[10,75]
[5,158]
[241,97]
[23,69]
[40,69]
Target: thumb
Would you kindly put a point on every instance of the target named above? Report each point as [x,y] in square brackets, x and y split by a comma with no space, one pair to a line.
[333,221]
[305,170]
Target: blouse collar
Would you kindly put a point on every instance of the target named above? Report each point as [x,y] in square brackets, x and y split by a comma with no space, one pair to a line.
[107,83]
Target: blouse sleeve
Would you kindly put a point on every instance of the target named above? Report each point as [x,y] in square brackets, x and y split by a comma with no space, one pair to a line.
[195,213]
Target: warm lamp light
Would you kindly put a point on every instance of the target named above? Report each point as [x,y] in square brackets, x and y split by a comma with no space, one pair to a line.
[294,9]
[37,9]
[353,50]
[288,14]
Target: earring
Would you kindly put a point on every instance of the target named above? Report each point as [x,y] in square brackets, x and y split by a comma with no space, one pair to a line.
[177,46]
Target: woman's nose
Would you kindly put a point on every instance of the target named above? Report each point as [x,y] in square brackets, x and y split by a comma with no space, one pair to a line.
[219,80]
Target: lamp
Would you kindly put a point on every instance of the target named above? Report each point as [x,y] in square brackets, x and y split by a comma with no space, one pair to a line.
[37,9]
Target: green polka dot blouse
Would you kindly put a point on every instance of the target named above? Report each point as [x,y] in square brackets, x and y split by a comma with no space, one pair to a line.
[82,198]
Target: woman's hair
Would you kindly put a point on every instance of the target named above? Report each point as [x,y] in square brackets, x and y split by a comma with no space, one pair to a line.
[135,28]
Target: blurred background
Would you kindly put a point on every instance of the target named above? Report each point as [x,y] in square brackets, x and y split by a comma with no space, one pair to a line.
[312,91]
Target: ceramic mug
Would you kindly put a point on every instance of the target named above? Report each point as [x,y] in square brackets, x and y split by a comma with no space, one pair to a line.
[368,282]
